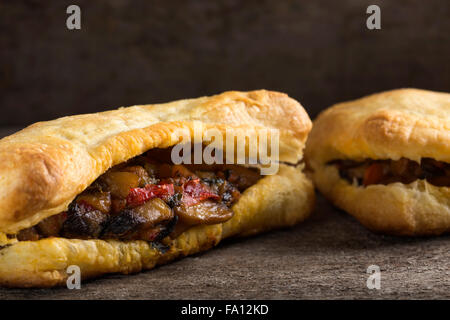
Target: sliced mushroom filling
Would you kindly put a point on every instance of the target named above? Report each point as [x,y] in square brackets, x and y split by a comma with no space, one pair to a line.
[370,171]
[149,198]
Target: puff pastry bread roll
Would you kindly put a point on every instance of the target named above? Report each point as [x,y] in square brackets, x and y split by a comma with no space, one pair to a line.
[99,191]
[385,159]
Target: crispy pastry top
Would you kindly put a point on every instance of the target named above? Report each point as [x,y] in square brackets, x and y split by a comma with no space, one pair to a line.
[408,123]
[48,163]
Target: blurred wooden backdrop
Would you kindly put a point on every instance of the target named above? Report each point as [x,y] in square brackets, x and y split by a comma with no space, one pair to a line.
[135,52]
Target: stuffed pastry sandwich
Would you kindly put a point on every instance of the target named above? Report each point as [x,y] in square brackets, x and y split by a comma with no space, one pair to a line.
[385,159]
[101,192]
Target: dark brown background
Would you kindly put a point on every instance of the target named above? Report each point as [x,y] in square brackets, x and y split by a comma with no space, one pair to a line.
[135,52]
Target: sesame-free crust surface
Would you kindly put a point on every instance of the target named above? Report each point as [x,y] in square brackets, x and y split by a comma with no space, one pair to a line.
[56,160]
[408,123]
[47,164]
[300,262]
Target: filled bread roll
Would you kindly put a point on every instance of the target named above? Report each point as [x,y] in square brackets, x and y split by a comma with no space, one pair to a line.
[102,192]
[385,159]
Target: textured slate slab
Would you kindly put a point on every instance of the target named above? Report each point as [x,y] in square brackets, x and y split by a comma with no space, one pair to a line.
[325,257]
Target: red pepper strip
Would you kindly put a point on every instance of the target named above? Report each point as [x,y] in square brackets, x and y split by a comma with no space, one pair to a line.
[194,192]
[138,196]
[373,174]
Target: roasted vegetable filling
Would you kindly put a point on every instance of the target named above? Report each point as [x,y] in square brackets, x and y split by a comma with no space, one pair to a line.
[370,172]
[149,198]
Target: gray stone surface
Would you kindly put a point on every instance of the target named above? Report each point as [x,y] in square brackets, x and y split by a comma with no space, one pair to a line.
[324,258]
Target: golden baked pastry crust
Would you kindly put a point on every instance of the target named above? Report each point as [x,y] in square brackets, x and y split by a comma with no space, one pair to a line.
[406,123]
[275,201]
[418,208]
[45,166]
[48,163]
